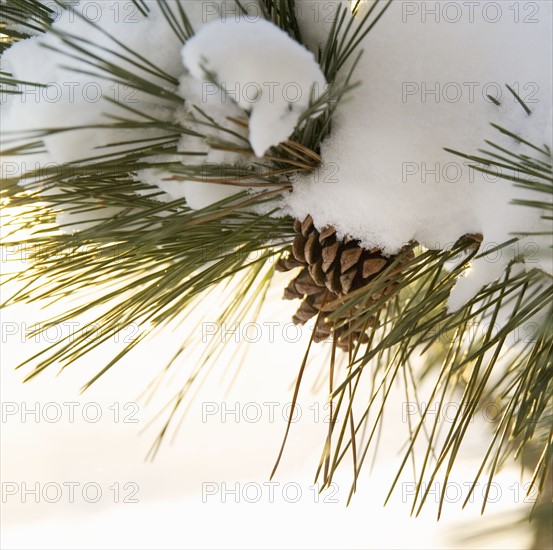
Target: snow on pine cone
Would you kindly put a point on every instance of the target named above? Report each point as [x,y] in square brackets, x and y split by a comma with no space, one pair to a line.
[332,269]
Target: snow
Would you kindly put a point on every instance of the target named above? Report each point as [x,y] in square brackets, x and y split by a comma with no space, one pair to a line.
[385,178]
[262,69]
[74,98]
[316,18]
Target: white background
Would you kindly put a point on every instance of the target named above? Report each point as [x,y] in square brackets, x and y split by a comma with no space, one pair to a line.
[171,511]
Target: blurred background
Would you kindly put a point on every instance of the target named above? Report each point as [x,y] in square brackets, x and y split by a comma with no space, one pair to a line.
[75,474]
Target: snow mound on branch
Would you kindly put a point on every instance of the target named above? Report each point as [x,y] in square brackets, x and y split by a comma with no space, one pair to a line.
[76,99]
[425,75]
[262,69]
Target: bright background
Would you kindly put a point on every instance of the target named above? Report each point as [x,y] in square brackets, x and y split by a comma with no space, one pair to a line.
[171,511]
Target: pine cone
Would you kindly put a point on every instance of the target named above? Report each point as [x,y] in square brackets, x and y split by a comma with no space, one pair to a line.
[331,269]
